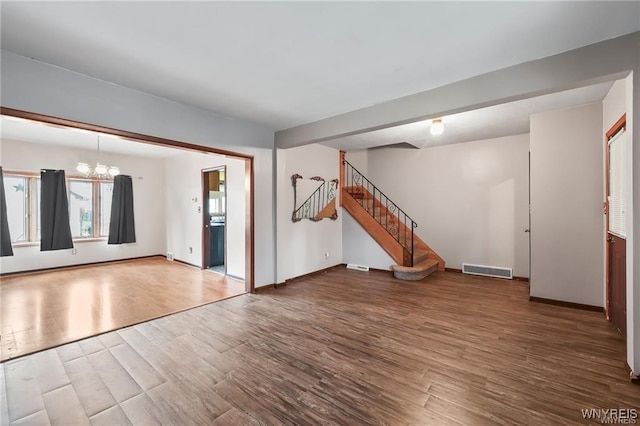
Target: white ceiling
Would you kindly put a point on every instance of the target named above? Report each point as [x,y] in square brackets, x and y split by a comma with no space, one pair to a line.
[22,130]
[289,63]
[485,123]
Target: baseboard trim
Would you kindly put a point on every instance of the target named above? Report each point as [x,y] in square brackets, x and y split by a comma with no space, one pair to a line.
[274,286]
[310,274]
[633,377]
[380,270]
[78,266]
[459,271]
[269,287]
[187,263]
[264,288]
[234,277]
[566,304]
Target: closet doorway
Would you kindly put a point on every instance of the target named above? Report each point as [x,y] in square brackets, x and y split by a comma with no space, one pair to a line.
[214,217]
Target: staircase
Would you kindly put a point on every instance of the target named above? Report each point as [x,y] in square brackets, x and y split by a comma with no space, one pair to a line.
[387,224]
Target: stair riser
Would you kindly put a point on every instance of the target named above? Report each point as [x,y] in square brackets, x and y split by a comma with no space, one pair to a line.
[414,276]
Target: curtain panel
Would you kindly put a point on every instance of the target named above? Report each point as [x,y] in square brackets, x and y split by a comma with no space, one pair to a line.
[122,224]
[55,227]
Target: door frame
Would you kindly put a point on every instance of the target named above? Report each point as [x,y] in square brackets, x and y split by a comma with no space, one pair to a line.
[249,171]
[620,124]
[206,233]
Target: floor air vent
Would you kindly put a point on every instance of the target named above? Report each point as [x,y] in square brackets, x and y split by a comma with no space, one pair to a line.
[357,267]
[487,271]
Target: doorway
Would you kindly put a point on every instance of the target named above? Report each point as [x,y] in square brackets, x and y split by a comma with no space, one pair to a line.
[214,218]
[615,208]
[246,182]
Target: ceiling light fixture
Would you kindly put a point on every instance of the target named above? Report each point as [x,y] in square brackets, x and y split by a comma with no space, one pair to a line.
[437,127]
[100,170]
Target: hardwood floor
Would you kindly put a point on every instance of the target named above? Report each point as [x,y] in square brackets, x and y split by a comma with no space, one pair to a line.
[42,310]
[343,347]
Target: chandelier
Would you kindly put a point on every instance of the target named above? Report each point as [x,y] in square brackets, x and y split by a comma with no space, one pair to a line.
[100,170]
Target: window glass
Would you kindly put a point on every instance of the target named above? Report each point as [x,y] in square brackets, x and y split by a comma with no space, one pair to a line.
[106,194]
[81,208]
[618,191]
[38,192]
[15,189]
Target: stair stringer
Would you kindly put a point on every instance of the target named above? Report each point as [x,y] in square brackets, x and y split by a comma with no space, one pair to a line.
[392,246]
[375,229]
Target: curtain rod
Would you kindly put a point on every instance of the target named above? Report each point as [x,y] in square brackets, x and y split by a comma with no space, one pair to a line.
[74,174]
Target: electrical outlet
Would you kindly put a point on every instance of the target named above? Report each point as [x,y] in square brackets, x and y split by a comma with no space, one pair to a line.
[326,256]
[190,250]
[74,251]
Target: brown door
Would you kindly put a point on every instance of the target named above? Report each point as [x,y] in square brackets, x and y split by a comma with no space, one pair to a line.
[618,282]
[615,208]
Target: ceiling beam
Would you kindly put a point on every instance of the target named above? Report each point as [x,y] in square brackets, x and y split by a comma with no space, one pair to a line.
[596,63]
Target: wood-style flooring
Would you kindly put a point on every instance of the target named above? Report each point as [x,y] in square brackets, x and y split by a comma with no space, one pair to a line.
[344,347]
[43,310]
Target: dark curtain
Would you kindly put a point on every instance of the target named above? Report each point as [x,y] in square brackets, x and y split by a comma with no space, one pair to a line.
[122,225]
[55,227]
[5,238]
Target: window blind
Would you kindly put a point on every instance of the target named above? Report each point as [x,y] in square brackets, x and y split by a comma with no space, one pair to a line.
[618,185]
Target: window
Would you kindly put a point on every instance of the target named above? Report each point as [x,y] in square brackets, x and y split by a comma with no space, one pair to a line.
[81,208]
[618,188]
[106,194]
[89,206]
[37,224]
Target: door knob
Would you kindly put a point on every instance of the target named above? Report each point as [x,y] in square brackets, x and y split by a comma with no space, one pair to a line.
[527,230]
[610,239]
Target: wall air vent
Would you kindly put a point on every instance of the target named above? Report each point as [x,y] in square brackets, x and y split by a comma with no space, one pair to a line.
[357,267]
[487,271]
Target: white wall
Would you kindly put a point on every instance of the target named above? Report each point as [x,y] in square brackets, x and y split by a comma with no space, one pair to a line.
[616,103]
[633,223]
[360,248]
[183,174]
[148,205]
[613,112]
[302,245]
[359,159]
[567,191]
[614,106]
[470,201]
[30,85]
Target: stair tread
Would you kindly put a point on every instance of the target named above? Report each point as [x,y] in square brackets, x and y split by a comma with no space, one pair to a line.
[420,255]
